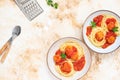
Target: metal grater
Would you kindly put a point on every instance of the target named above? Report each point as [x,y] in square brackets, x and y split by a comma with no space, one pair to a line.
[30,8]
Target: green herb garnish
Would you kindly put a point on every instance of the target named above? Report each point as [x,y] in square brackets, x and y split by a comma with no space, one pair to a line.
[50,3]
[93,24]
[56,5]
[63,55]
[115,29]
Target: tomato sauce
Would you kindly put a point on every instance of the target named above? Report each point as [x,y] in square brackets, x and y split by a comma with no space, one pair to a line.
[89,30]
[78,65]
[98,20]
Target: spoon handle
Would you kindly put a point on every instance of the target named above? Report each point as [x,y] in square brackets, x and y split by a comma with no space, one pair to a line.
[4,51]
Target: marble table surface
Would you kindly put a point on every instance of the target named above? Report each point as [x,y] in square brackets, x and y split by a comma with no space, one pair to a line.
[27,57]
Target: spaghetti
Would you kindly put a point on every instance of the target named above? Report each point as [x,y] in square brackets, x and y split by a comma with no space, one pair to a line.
[103,30]
[69,58]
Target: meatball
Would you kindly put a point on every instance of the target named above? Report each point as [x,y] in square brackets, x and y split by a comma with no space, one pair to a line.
[111,39]
[66,67]
[70,50]
[99,36]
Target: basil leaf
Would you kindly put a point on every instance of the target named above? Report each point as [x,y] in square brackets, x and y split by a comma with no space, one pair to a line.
[63,55]
[93,24]
[52,4]
[115,29]
[56,5]
[49,2]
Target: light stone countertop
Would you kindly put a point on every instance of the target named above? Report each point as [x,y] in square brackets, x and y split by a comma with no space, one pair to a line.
[27,57]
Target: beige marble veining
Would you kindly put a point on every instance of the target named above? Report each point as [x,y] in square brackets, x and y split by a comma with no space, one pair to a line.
[27,57]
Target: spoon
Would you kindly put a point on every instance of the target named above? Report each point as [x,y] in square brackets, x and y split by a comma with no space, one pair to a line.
[5,49]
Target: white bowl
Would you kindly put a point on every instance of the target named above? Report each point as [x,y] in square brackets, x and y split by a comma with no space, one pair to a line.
[51,63]
[110,48]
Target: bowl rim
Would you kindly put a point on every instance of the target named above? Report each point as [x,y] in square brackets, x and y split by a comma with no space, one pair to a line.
[83,30]
[62,39]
